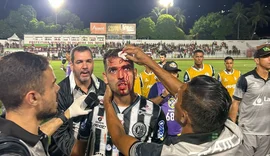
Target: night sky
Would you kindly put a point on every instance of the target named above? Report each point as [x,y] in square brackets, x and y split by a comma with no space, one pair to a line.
[122,11]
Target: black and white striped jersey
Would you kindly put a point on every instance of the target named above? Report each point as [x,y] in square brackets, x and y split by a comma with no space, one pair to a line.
[143,120]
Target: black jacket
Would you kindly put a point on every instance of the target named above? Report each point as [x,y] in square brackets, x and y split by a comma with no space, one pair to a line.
[63,139]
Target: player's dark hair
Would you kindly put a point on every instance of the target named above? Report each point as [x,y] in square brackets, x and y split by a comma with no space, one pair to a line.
[207,103]
[163,53]
[198,51]
[228,58]
[21,72]
[113,53]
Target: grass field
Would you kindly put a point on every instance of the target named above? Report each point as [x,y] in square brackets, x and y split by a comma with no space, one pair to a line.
[242,65]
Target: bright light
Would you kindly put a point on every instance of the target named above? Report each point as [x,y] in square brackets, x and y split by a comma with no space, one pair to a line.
[56,3]
[166,3]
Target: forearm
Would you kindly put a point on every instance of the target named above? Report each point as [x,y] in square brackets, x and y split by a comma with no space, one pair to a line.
[52,125]
[156,100]
[120,139]
[234,110]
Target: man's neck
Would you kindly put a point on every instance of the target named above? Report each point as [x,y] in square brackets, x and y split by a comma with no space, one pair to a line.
[24,120]
[124,100]
[229,71]
[262,72]
[198,66]
[84,86]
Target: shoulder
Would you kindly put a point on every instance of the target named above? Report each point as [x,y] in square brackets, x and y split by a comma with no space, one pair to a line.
[13,146]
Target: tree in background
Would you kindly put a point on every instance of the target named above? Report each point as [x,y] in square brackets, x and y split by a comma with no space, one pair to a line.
[156,12]
[214,26]
[65,17]
[237,13]
[166,28]
[178,14]
[146,28]
[259,15]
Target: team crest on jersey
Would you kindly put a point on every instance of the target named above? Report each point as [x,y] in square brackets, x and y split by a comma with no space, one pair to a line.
[108,147]
[171,102]
[139,129]
[99,124]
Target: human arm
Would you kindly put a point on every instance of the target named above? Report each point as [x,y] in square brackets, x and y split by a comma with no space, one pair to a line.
[137,55]
[116,130]
[234,110]
[76,109]
[154,95]
[240,89]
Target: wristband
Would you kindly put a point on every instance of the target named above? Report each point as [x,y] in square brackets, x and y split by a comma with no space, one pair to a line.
[62,116]
[162,96]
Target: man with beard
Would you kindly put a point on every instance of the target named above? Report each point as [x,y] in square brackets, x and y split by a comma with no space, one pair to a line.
[29,96]
[80,82]
[199,68]
[140,117]
[251,99]
[201,108]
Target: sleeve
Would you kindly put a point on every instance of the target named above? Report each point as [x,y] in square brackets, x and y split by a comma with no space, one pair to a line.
[186,77]
[13,148]
[145,149]
[160,129]
[153,91]
[213,71]
[63,139]
[85,128]
[219,77]
[240,89]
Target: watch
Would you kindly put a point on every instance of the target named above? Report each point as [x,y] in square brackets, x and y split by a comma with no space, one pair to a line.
[162,96]
[62,116]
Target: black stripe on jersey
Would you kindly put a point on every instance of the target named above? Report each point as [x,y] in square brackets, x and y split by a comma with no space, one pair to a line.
[98,136]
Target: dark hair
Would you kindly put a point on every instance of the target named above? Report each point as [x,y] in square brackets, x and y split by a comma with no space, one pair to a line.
[207,103]
[228,58]
[198,51]
[162,53]
[20,72]
[113,53]
[79,49]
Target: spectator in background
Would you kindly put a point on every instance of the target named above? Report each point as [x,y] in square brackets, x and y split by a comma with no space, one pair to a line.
[147,79]
[159,95]
[29,95]
[162,57]
[80,82]
[201,108]
[229,76]
[199,68]
[251,99]
[66,69]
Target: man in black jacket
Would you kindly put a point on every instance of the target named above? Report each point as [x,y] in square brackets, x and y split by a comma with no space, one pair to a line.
[29,96]
[81,81]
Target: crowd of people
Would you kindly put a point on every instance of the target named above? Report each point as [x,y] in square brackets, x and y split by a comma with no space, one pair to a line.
[130,113]
[180,50]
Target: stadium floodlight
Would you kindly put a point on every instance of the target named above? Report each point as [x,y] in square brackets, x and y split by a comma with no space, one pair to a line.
[166,4]
[56,4]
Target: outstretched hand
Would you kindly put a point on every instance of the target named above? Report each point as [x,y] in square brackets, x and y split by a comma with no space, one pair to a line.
[78,107]
[136,55]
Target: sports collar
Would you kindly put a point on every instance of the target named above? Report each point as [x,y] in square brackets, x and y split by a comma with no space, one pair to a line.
[10,128]
[73,84]
[198,138]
